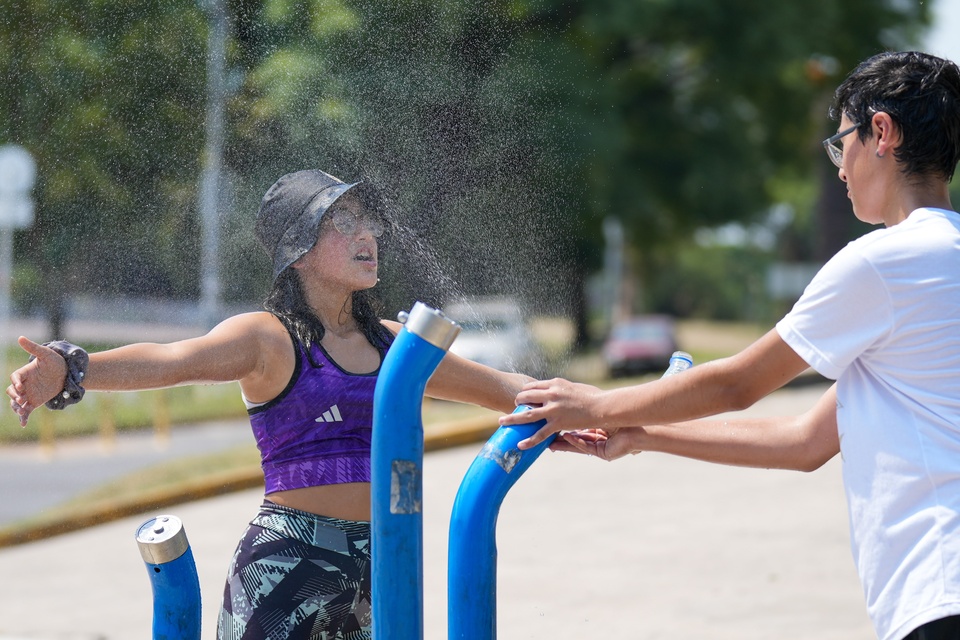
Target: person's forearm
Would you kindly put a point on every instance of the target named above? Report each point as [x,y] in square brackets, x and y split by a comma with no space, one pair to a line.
[709,389]
[462,381]
[230,351]
[135,366]
[770,443]
[494,391]
[802,442]
[703,392]
[153,366]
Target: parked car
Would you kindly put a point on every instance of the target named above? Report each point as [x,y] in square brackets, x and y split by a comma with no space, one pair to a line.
[639,345]
[495,332]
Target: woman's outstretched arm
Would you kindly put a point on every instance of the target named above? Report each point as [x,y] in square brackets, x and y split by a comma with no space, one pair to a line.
[236,349]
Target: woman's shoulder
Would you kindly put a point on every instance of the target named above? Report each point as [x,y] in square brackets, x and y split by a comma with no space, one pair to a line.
[277,355]
[255,319]
[255,324]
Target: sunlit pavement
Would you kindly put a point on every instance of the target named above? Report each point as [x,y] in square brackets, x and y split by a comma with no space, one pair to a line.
[646,548]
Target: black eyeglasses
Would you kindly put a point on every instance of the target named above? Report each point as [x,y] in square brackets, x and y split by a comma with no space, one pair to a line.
[835,150]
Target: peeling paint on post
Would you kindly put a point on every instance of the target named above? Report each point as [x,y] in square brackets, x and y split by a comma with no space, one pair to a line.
[406,490]
[507,459]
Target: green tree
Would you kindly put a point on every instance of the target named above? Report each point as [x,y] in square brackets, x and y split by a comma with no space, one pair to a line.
[700,113]
[505,131]
[706,105]
[447,106]
[108,97]
[502,132]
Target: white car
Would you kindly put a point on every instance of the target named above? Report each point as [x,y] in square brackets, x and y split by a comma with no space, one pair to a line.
[495,332]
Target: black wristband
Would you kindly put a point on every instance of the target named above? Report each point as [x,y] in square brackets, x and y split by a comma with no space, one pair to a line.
[77,361]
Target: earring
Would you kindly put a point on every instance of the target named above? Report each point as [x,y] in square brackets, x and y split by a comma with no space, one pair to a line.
[879,155]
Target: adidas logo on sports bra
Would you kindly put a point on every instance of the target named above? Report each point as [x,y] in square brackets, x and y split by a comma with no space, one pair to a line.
[330,415]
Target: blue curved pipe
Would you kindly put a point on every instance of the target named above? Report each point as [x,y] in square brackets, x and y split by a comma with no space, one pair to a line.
[173,579]
[176,598]
[472,550]
[396,473]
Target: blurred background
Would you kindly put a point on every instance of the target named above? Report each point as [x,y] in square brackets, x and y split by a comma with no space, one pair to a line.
[586,162]
[585,185]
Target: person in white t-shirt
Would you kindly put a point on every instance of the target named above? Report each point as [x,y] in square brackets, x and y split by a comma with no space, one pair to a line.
[882,318]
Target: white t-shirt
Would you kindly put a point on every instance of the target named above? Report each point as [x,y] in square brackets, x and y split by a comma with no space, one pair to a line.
[883,319]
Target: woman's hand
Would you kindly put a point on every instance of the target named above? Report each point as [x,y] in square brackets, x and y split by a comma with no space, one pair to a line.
[606,444]
[36,382]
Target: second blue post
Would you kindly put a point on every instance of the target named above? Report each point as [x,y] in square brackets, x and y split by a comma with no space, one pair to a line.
[472,551]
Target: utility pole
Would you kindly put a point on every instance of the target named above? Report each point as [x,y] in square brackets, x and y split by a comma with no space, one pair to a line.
[613,266]
[211,181]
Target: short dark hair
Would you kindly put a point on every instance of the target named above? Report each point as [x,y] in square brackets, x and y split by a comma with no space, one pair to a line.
[921,93]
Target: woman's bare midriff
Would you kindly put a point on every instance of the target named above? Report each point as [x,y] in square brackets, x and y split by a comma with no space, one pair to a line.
[349,501]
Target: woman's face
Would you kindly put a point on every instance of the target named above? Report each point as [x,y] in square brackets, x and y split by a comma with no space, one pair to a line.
[346,252]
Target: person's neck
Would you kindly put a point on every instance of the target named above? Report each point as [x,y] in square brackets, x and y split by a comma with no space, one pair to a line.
[926,196]
[334,309]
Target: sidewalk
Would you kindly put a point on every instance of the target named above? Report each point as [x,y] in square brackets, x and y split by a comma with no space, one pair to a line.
[652,547]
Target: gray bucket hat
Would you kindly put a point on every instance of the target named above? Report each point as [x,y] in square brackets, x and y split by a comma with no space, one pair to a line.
[291,211]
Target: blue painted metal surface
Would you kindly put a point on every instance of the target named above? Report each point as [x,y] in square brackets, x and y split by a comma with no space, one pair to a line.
[472,551]
[397,471]
[173,578]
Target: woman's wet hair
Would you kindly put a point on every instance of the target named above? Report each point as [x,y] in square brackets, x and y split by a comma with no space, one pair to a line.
[289,304]
[921,93]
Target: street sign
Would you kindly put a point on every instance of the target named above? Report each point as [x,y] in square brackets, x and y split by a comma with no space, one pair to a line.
[18,172]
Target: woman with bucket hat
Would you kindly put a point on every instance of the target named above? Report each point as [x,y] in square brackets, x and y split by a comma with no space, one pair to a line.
[307,367]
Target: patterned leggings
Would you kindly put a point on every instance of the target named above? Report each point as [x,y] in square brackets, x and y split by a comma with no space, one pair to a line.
[298,576]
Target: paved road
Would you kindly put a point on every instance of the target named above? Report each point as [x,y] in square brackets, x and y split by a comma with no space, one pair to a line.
[652,547]
[35,479]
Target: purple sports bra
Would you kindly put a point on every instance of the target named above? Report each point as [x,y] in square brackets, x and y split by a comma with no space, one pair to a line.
[318,430]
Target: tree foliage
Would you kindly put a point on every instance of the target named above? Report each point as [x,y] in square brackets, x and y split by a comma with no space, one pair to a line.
[105,95]
[705,103]
[501,132]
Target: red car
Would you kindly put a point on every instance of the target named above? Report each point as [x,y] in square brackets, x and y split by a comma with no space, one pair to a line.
[639,345]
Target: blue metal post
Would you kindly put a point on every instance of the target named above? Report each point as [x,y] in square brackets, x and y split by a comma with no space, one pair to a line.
[397,469]
[173,576]
[472,551]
